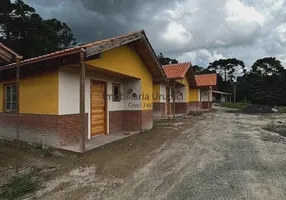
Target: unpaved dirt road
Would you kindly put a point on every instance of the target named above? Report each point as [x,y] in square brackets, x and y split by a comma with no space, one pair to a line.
[219,155]
[225,156]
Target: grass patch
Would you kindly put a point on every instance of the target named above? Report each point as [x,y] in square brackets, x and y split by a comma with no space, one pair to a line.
[282,109]
[46,151]
[238,105]
[19,186]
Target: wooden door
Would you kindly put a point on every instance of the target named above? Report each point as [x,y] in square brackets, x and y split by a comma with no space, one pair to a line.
[168,101]
[98,108]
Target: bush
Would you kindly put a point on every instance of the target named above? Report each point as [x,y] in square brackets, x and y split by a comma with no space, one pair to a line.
[46,151]
[282,109]
[19,185]
[238,105]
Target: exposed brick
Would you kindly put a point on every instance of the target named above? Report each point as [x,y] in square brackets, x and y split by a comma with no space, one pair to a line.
[194,106]
[32,128]
[115,121]
[206,105]
[69,129]
[50,130]
[181,108]
[132,119]
[159,109]
[147,120]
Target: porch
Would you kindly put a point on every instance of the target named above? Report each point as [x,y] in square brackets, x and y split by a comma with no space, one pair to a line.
[99,141]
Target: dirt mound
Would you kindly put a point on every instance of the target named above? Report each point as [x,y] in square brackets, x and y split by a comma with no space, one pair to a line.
[252,109]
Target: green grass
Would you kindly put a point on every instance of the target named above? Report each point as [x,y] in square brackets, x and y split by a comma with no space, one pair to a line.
[19,185]
[238,105]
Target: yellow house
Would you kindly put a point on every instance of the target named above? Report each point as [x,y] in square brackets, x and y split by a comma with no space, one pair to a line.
[201,97]
[181,78]
[192,92]
[108,83]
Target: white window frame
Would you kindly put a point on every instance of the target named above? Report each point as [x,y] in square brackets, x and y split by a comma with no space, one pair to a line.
[10,102]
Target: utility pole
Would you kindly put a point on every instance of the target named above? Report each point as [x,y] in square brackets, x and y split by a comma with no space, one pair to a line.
[234,93]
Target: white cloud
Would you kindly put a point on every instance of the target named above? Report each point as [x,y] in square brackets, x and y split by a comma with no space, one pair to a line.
[281,29]
[201,57]
[238,12]
[176,34]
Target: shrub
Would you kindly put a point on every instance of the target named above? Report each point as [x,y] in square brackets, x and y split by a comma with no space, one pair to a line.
[238,105]
[19,185]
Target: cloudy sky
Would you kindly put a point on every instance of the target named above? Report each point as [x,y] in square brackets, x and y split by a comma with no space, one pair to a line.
[200,31]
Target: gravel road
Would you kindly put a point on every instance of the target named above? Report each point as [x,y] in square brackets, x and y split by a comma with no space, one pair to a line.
[218,155]
[225,156]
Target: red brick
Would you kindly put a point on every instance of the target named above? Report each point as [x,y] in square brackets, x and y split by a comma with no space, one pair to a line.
[159,109]
[115,121]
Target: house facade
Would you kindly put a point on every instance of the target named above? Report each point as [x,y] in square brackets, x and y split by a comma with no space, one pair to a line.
[181,79]
[117,87]
[201,96]
[192,92]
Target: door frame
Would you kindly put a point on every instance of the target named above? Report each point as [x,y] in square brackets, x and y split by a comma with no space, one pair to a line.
[105,105]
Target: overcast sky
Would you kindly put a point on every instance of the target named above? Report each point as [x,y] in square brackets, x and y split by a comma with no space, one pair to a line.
[200,31]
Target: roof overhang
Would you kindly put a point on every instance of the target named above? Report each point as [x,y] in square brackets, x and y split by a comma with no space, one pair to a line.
[138,40]
[7,56]
[219,92]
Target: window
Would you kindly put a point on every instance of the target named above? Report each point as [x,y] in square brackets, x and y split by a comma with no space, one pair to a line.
[10,98]
[116,92]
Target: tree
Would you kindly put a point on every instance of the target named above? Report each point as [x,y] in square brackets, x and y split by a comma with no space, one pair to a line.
[166,60]
[267,82]
[24,31]
[229,68]
[267,66]
[200,70]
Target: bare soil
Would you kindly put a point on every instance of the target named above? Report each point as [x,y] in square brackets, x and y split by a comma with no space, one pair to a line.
[62,175]
[217,155]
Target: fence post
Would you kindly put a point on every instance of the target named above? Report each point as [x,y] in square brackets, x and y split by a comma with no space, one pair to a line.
[18,58]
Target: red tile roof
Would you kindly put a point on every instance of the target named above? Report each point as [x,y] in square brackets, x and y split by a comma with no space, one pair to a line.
[74,49]
[206,80]
[175,71]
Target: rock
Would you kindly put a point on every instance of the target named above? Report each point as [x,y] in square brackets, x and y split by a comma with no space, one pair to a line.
[57,153]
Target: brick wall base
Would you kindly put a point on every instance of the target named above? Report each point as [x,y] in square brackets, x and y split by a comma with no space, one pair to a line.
[147,119]
[69,129]
[159,109]
[181,108]
[205,105]
[48,130]
[60,130]
[40,129]
[194,106]
[130,120]
[115,121]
